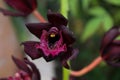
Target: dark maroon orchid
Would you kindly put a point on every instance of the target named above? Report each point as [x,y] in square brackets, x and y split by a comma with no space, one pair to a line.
[22,7]
[27,71]
[110,47]
[55,39]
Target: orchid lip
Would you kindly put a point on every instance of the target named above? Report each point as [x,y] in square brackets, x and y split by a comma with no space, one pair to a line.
[53,37]
[51,45]
[52,40]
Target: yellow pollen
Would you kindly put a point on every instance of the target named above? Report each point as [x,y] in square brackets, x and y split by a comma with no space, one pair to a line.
[52,35]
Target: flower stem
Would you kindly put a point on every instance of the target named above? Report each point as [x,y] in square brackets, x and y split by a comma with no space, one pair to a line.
[39,16]
[64,7]
[87,68]
[66,74]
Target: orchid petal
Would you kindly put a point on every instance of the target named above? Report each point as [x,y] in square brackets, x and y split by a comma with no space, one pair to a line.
[112,56]
[36,28]
[31,50]
[21,65]
[56,19]
[74,53]
[68,36]
[35,71]
[70,54]
[109,37]
[31,2]
[20,5]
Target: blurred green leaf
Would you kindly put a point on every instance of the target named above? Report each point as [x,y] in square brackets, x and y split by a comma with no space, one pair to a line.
[90,28]
[106,19]
[64,7]
[97,11]
[74,7]
[107,22]
[114,2]
[85,4]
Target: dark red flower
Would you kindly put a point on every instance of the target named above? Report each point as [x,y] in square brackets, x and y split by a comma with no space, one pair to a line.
[27,71]
[55,39]
[110,47]
[22,7]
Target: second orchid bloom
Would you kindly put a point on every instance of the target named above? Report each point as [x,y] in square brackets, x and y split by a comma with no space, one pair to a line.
[110,47]
[22,7]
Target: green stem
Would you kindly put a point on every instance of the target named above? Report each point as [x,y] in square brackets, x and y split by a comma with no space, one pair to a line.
[66,74]
[64,10]
[64,7]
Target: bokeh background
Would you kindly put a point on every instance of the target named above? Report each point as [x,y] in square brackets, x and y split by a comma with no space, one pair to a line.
[89,20]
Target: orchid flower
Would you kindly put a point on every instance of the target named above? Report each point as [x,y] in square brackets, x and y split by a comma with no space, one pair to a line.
[110,47]
[22,7]
[56,39]
[27,71]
